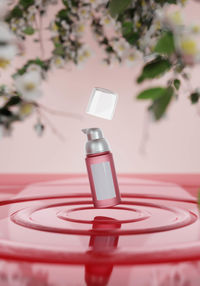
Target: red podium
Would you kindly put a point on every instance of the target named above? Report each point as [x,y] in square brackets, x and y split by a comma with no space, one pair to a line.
[50,233]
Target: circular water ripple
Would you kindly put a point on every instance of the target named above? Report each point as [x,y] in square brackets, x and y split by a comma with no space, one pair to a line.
[74,215]
[51,217]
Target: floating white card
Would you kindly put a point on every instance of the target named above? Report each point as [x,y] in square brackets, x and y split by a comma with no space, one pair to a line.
[102,103]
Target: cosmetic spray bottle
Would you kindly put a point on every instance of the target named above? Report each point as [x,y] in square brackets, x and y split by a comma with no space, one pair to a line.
[101,170]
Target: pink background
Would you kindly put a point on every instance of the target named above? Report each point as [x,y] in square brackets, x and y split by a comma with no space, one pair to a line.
[173,143]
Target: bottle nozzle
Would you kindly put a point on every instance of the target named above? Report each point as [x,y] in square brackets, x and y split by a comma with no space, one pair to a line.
[93,133]
[84,131]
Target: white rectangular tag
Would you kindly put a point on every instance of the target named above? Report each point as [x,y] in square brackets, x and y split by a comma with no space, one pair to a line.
[103,180]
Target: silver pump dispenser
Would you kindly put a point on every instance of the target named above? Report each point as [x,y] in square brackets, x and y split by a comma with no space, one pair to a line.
[96,143]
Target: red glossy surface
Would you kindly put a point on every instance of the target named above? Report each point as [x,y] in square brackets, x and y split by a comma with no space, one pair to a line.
[56,237]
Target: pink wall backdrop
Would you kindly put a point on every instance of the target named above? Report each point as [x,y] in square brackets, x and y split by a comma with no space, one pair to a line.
[172,146]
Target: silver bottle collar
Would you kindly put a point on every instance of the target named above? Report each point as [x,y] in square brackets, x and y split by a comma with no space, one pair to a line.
[96,143]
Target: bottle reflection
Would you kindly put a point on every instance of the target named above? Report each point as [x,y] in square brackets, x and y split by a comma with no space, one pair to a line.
[99,274]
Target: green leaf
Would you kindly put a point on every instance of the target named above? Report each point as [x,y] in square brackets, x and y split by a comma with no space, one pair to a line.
[15,13]
[166,1]
[59,50]
[152,93]
[132,38]
[129,34]
[159,106]
[69,3]
[37,61]
[177,84]
[165,44]
[65,2]
[26,3]
[29,30]
[127,28]
[194,97]
[20,72]
[154,69]
[109,49]
[63,14]
[13,101]
[116,7]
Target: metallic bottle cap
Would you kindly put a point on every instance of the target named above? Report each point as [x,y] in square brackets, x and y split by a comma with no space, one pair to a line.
[96,143]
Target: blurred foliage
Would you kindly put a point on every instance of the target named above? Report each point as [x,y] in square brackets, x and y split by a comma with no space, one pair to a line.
[132,32]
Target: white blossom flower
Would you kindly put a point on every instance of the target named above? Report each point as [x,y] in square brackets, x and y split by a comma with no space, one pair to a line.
[96,3]
[8,49]
[185,41]
[145,7]
[120,46]
[25,110]
[7,53]
[148,40]
[5,34]
[21,23]
[83,54]
[28,85]
[118,28]
[84,12]
[65,25]
[13,25]
[107,20]
[195,29]
[132,57]
[34,67]
[32,10]
[30,15]
[18,26]
[189,48]
[173,20]
[38,3]
[79,29]
[54,29]
[58,62]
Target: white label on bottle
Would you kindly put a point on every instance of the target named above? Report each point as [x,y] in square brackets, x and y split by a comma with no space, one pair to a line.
[103,180]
